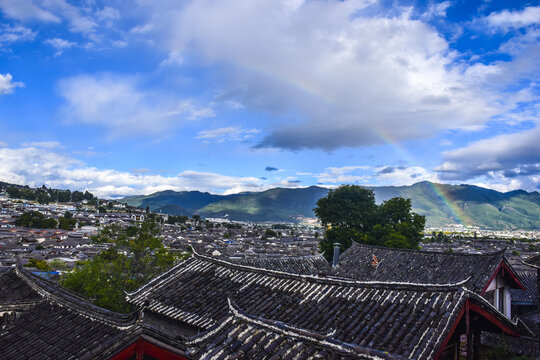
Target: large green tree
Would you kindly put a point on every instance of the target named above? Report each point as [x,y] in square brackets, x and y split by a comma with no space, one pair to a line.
[349,213]
[132,261]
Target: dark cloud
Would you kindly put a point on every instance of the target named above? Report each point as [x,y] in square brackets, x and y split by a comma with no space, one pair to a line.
[388,170]
[271,168]
[524,170]
[509,155]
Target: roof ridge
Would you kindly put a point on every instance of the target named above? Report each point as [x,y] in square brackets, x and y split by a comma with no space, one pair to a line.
[356,244]
[324,340]
[526,261]
[68,299]
[334,280]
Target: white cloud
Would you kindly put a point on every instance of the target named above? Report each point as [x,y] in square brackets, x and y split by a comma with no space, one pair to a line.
[60,45]
[7,85]
[11,34]
[403,175]
[436,10]
[345,174]
[227,134]
[3,144]
[174,58]
[505,19]
[350,79]
[118,102]
[53,11]
[46,166]
[26,10]
[43,144]
[108,15]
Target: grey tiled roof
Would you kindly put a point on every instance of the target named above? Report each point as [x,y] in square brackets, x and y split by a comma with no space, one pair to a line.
[58,324]
[14,290]
[51,331]
[418,266]
[405,319]
[527,296]
[242,336]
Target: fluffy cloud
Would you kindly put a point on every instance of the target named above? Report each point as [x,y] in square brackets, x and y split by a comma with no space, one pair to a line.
[345,175]
[118,103]
[43,144]
[505,19]
[227,134]
[49,167]
[383,175]
[60,45]
[11,34]
[26,10]
[7,85]
[347,78]
[508,155]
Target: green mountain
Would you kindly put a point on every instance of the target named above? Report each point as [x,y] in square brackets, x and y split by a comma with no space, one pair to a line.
[441,204]
[173,202]
[277,204]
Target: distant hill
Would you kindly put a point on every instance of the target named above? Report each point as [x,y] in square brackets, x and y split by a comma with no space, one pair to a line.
[441,204]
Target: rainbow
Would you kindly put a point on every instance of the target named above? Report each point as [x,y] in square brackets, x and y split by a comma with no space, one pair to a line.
[459,214]
[311,90]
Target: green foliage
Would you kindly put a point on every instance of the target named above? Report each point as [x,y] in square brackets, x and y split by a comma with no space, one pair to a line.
[57,264]
[67,222]
[439,237]
[39,264]
[129,263]
[269,233]
[350,214]
[516,253]
[77,196]
[532,247]
[35,219]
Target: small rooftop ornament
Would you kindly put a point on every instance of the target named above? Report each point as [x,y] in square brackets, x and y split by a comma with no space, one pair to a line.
[374,261]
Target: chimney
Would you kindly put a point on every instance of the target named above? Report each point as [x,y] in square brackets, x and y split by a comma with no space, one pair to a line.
[335,261]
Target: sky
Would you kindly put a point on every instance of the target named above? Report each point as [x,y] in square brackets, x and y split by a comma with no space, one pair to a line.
[132,97]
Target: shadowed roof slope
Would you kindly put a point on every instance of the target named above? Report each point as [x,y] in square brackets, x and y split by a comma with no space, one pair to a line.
[418,266]
[15,290]
[307,265]
[242,336]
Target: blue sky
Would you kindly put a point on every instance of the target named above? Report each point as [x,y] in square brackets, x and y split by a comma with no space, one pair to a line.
[131,97]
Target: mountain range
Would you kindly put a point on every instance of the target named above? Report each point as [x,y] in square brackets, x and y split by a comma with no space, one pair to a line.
[442,204]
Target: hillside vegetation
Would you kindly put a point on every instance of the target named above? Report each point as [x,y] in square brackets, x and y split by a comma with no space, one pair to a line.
[442,204]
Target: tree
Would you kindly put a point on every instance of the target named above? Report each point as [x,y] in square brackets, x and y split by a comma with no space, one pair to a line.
[349,213]
[39,264]
[129,263]
[77,196]
[269,233]
[66,222]
[64,196]
[87,195]
[35,219]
